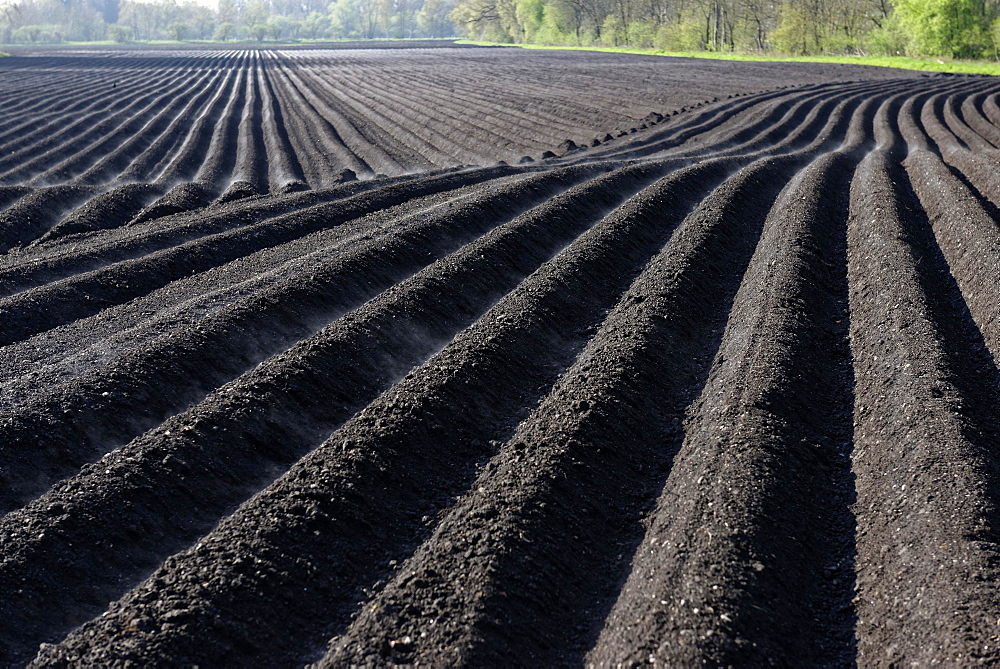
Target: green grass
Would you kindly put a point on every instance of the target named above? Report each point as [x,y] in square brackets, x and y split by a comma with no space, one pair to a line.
[904,63]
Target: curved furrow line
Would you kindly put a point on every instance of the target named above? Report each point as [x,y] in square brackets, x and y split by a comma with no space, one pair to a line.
[926,475]
[968,235]
[830,125]
[46,147]
[615,410]
[27,136]
[932,124]
[93,102]
[141,151]
[548,488]
[763,112]
[822,127]
[537,316]
[239,325]
[60,302]
[972,115]
[954,121]
[358,154]
[909,125]
[26,103]
[785,123]
[47,360]
[212,166]
[380,127]
[219,162]
[33,266]
[283,170]
[249,175]
[124,142]
[326,378]
[197,146]
[991,108]
[730,570]
[683,128]
[312,142]
[843,118]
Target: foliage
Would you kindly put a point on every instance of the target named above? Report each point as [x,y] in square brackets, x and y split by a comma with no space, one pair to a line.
[900,62]
[939,28]
[954,28]
[47,21]
[958,28]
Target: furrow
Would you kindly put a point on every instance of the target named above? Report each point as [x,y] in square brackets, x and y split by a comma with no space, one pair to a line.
[972,114]
[36,265]
[377,128]
[203,142]
[117,397]
[926,474]
[139,152]
[357,154]
[312,142]
[284,171]
[731,567]
[35,213]
[954,121]
[968,235]
[40,128]
[318,384]
[53,147]
[250,171]
[581,469]
[473,386]
[54,304]
[121,144]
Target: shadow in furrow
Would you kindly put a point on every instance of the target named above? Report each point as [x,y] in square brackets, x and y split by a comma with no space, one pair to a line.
[408,452]
[533,550]
[269,417]
[748,555]
[974,370]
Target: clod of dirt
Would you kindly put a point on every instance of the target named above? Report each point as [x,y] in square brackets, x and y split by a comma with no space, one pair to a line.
[569,146]
[293,187]
[345,176]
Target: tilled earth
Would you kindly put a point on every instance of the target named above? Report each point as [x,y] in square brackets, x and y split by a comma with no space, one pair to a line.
[710,377]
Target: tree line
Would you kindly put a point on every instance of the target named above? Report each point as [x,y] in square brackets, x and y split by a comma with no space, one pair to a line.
[46,21]
[955,28]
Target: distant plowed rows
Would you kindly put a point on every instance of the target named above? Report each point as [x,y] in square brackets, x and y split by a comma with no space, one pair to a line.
[725,390]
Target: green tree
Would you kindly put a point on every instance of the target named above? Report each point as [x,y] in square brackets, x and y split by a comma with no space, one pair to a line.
[959,28]
[794,34]
[178,30]
[119,33]
[315,25]
[224,31]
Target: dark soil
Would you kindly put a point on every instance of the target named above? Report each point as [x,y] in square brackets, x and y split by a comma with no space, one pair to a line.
[701,369]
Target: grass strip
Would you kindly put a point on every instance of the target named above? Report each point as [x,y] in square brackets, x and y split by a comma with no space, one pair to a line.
[899,62]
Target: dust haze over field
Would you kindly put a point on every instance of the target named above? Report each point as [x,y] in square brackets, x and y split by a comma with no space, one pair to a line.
[302,361]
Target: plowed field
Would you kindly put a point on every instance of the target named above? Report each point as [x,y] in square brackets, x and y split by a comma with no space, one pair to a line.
[710,377]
